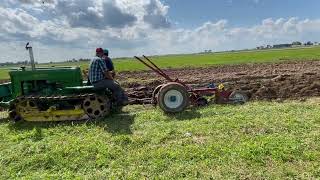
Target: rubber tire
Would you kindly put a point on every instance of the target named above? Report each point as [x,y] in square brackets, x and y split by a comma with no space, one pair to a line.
[173,86]
[245,96]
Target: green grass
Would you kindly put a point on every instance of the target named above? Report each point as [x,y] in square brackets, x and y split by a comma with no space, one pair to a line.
[202,60]
[260,140]
[4,74]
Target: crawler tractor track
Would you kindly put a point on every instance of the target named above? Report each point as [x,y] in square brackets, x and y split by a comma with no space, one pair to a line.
[59,108]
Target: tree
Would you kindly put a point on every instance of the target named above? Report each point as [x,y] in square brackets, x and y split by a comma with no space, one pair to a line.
[297,43]
[309,43]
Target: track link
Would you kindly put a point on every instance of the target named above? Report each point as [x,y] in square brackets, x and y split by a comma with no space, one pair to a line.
[30,108]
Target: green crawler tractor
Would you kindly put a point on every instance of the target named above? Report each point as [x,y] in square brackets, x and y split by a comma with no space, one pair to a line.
[52,94]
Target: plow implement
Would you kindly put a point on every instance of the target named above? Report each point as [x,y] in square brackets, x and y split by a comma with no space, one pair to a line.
[175,95]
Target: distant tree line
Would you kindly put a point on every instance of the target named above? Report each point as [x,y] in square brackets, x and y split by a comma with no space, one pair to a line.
[293,44]
[21,63]
[275,46]
[78,60]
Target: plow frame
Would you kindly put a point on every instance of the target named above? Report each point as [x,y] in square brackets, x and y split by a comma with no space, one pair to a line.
[196,95]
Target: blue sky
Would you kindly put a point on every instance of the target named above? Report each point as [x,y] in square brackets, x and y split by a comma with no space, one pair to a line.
[192,13]
[66,29]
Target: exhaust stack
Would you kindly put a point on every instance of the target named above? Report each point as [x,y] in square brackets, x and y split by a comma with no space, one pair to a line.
[33,66]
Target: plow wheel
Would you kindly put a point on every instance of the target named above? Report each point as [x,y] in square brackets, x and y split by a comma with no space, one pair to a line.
[96,106]
[238,97]
[173,98]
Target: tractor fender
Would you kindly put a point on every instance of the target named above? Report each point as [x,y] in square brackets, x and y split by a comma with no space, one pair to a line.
[155,94]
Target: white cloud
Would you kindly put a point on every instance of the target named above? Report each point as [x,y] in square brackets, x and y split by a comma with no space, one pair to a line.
[93,14]
[156,14]
[63,30]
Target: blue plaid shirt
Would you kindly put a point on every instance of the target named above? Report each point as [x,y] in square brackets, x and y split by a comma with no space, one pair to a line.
[97,69]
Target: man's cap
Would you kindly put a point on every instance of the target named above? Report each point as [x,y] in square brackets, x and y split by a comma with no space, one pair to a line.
[99,50]
[105,51]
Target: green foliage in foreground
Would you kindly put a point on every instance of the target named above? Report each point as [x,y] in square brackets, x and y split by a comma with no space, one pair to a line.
[259,140]
[203,60]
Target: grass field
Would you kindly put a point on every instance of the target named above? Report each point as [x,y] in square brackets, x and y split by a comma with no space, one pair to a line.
[200,60]
[260,140]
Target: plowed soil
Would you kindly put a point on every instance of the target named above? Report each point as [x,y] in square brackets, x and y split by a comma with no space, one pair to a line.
[289,80]
[278,81]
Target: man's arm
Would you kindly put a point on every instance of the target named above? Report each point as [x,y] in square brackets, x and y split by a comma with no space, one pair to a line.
[111,64]
[113,72]
[106,72]
[108,75]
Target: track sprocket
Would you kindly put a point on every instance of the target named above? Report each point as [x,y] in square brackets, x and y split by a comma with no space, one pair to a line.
[96,106]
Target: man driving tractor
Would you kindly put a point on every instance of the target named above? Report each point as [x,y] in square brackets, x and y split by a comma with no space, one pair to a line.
[100,76]
[108,62]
